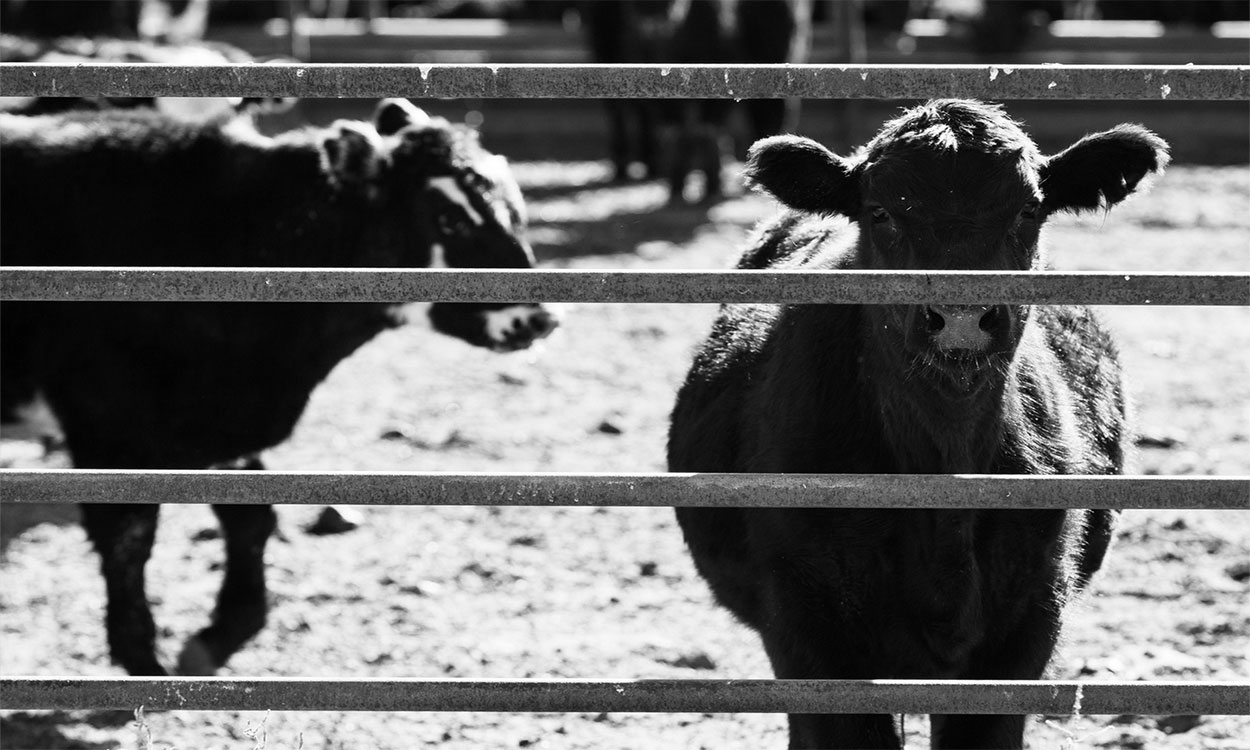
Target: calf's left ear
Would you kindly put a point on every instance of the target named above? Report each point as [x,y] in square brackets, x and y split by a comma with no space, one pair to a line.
[1102,169]
[803,174]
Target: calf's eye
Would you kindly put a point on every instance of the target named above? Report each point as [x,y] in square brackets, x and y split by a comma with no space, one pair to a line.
[1030,210]
[879,215]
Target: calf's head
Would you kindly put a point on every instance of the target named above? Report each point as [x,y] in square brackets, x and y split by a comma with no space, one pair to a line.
[448,203]
[953,185]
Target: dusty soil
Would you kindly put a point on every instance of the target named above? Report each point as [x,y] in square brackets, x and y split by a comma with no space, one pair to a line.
[581,592]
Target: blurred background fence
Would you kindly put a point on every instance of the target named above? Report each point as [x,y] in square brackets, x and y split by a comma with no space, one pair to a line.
[928,32]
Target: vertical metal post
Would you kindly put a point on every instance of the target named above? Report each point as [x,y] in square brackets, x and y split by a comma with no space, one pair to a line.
[299,45]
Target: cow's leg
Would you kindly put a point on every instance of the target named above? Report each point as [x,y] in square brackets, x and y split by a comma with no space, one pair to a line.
[241,606]
[966,731]
[619,137]
[647,136]
[843,731]
[123,536]
[1021,655]
[793,661]
[715,142]
[709,162]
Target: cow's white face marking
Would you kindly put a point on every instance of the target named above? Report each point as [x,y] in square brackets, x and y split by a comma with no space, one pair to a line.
[503,215]
[438,256]
[495,169]
[454,193]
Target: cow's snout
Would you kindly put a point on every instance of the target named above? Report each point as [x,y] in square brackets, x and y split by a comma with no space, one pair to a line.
[972,328]
[518,326]
[539,322]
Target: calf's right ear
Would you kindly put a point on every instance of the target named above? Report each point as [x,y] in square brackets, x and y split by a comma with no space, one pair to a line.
[803,174]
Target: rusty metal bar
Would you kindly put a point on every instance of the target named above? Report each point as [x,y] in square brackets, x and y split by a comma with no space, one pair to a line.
[562,81]
[652,696]
[623,490]
[407,285]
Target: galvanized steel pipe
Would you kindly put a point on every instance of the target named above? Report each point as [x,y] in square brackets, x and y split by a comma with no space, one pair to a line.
[711,490]
[563,81]
[653,696]
[409,285]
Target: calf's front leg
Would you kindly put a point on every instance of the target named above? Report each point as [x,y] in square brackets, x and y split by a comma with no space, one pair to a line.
[123,536]
[241,606]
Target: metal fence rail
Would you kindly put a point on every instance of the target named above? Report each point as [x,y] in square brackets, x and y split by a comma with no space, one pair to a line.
[558,81]
[406,285]
[623,490]
[654,696]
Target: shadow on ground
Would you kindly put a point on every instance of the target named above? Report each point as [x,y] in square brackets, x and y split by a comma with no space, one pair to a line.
[47,730]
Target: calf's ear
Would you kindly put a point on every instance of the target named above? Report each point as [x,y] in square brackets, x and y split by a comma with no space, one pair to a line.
[1102,169]
[803,174]
[393,115]
[351,152]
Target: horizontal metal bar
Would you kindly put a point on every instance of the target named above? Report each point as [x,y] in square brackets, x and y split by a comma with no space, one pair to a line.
[652,696]
[560,81]
[624,490]
[407,285]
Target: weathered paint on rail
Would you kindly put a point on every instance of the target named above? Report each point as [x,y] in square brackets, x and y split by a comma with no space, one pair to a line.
[623,490]
[409,285]
[564,81]
[652,696]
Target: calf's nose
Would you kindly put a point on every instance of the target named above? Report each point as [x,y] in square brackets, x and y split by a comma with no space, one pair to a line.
[963,327]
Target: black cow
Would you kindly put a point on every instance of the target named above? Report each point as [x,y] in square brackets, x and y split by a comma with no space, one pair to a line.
[160,385]
[912,389]
[676,138]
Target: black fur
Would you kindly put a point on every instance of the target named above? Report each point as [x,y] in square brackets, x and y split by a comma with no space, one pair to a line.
[919,594]
[159,385]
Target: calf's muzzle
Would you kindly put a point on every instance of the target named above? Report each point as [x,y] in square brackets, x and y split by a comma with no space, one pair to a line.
[971,328]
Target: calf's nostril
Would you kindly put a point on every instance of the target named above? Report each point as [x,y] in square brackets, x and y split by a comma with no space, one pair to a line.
[935,320]
[990,320]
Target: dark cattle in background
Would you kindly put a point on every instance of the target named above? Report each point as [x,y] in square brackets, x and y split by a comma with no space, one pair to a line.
[1000,389]
[159,385]
[164,21]
[628,31]
[674,138]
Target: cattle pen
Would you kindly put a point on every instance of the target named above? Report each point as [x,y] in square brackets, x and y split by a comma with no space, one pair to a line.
[1032,82]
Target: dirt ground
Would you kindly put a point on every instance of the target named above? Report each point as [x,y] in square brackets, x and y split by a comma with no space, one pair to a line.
[601,593]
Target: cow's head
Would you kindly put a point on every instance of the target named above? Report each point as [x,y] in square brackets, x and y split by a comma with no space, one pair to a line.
[460,208]
[954,185]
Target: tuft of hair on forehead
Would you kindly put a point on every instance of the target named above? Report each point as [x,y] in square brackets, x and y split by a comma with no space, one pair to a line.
[952,125]
[441,147]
